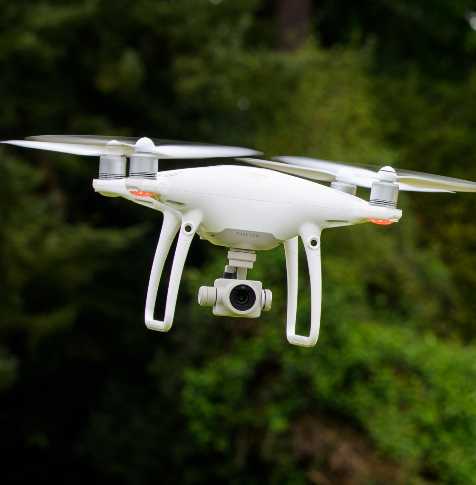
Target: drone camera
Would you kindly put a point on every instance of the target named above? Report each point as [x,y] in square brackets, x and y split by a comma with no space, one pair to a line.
[236,298]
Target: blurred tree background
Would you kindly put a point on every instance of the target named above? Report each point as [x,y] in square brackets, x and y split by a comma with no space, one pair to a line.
[87,393]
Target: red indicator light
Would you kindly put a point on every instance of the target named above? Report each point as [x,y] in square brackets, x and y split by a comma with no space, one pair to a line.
[381,222]
[141,193]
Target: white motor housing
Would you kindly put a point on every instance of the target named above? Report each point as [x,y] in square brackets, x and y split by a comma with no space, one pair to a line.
[384,191]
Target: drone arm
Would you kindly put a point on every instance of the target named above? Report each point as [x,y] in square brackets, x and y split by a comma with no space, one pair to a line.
[171,226]
[310,235]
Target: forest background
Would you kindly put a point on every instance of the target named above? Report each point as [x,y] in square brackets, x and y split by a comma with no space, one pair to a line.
[87,393]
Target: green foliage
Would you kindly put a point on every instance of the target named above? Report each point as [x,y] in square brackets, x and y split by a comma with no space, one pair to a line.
[434,124]
[402,387]
[410,393]
[8,368]
[43,255]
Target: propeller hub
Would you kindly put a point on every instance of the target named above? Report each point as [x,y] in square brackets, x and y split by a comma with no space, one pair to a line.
[144,145]
[387,174]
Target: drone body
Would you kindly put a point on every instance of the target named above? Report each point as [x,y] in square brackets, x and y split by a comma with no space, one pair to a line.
[245,209]
[252,208]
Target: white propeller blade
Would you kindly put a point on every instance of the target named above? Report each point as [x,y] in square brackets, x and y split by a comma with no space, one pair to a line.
[203,151]
[361,176]
[103,145]
[364,176]
[74,148]
[316,174]
[417,181]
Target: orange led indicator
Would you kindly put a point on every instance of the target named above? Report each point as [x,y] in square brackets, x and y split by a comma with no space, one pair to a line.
[381,222]
[141,193]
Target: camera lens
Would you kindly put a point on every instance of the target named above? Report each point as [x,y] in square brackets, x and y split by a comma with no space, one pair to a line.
[242,297]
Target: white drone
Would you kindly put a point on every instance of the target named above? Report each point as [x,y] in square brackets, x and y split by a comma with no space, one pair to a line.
[245,209]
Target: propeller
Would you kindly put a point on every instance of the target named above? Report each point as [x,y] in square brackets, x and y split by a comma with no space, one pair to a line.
[364,176]
[123,146]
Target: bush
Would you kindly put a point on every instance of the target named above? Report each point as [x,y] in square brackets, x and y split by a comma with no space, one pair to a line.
[411,394]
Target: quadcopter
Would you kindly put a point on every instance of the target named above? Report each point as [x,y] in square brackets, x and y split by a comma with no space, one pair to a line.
[245,208]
